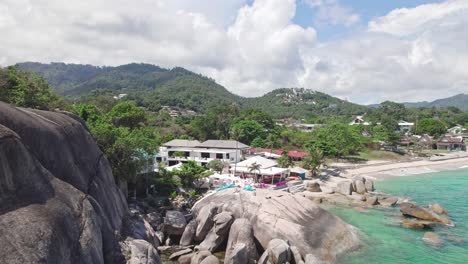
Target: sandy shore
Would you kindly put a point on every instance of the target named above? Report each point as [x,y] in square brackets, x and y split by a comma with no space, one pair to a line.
[388,168]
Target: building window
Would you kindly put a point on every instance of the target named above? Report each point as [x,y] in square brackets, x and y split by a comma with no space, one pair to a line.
[219,156]
[227,155]
[205,155]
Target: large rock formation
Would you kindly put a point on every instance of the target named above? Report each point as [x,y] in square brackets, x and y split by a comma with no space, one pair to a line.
[58,199]
[409,209]
[280,215]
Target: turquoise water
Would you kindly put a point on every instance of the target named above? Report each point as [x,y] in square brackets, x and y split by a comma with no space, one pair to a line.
[386,242]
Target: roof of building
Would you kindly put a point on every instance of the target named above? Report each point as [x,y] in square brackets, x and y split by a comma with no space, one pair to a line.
[223,144]
[291,153]
[182,143]
[263,162]
[449,139]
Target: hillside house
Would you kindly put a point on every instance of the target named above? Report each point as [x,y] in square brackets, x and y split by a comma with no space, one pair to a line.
[359,120]
[181,150]
[457,130]
[404,126]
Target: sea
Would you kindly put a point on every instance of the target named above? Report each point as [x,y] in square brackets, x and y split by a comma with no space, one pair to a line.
[386,242]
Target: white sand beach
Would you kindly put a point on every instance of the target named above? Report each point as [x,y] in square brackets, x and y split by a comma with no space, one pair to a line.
[384,169]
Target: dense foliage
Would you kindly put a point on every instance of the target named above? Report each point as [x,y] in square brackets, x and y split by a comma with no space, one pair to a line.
[26,89]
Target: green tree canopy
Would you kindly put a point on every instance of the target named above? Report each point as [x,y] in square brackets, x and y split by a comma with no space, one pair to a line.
[127,114]
[26,89]
[335,140]
[247,131]
[216,165]
[433,127]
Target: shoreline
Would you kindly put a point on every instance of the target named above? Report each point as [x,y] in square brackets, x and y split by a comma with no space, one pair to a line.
[408,168]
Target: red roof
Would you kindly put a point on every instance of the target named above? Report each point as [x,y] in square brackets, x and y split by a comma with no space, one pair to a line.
[291,153]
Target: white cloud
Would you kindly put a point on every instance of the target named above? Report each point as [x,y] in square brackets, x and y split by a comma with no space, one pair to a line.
[331,11]
[410,54]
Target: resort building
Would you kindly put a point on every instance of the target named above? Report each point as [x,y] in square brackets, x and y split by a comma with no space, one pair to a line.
[181,150]
[260,167]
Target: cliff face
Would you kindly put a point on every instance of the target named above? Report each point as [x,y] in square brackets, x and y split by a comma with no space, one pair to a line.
[58,199]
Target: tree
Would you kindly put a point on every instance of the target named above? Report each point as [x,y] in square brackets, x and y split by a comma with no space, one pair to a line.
[127,114]
[285,161]
[26,89]
[314,160]
[336,139]
[178,154]
[247,131]
[189,172]
[216,165]
[433,127]
[258,142]
[255,168]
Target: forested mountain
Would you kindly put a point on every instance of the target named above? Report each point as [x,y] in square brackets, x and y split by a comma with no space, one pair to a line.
[152,86]
[300,103]
[459,100]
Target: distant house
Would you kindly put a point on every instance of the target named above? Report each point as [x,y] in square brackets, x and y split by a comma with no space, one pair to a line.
[359,120]
[120,96]
[456,130]
[306,127]
[451,143]
[181,150]
[426,141]
[404,126]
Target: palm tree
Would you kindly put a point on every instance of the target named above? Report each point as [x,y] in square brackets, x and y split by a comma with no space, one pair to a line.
[315,159]
[255,167]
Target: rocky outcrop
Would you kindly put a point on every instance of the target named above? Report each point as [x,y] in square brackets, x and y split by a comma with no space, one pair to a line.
[312,186]
[438,209]
[433,239]
[241,245]
[280,215]
[174,223]
[189,233]
[409,209]
[141,252]
[58,199]
[278,252]
[345,187]
[218,233]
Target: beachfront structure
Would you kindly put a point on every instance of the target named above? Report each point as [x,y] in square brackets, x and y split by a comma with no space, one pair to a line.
[181,150]
[266,169]
[451,143]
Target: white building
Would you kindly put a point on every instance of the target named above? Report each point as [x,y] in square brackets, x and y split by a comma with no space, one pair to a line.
[359,120]
[180,150]
[456,130]
[267,169]
[405,126]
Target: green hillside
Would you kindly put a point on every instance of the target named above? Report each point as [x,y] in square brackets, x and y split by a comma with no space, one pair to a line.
[459,101]
[152,86]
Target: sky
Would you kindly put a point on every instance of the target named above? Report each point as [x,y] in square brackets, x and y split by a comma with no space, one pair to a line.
[365,51]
